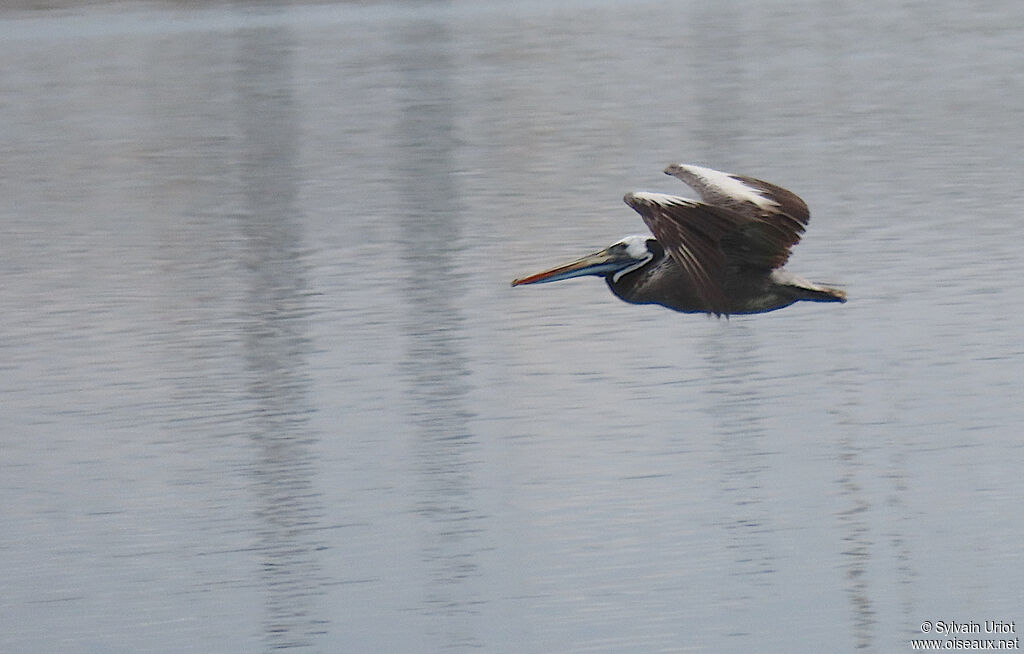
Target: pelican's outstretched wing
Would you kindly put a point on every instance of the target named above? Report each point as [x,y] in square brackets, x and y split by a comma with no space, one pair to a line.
[747,196]
[710,242]
[691,232]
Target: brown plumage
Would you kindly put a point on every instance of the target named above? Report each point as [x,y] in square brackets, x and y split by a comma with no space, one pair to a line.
[722,255]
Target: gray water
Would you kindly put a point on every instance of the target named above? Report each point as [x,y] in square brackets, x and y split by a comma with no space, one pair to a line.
[265,385]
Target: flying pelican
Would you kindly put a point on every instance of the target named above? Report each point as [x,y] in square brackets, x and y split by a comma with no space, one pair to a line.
[721,256]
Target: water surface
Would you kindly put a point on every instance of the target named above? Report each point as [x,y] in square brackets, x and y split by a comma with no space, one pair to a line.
[265,385]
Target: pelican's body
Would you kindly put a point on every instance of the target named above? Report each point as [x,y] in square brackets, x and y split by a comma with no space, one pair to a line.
[723,255]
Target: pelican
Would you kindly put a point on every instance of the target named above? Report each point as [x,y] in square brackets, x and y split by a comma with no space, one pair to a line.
[721,256]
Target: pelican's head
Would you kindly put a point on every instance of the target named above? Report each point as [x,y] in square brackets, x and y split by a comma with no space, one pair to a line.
[613,262]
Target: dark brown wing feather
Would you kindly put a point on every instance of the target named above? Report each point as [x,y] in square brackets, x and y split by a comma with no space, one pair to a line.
[711,243]
[790,204]
[691,232]
[780,213]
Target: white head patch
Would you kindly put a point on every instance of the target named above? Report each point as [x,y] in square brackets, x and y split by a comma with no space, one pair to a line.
[636,248]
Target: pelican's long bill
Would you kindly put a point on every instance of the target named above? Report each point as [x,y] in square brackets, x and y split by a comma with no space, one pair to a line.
[612,259]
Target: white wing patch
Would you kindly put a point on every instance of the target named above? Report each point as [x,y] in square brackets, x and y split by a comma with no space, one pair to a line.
[662,199]
[728,185]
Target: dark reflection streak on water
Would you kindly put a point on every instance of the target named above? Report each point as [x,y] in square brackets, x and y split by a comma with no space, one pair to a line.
[857,542]
[435,367]
[856,546]
[275,346]
[898,540]
[736,404]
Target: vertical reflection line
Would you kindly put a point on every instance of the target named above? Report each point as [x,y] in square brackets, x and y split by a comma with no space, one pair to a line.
[737,406]
[275,345]
[435,366]
[898,540]
[855,529]
[856,548]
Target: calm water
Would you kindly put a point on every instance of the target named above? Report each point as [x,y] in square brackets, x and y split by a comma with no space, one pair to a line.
[265,386]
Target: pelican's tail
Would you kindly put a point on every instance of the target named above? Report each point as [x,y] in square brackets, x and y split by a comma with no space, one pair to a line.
[800,289]
[815,293]
[824,294]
